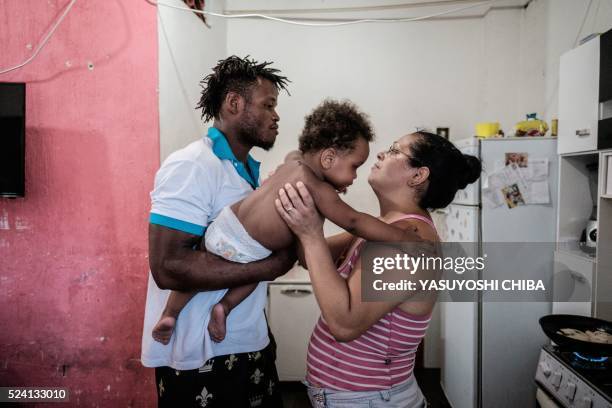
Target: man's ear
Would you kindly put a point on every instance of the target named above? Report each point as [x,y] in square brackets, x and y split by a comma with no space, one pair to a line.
[328,157]
[234,103]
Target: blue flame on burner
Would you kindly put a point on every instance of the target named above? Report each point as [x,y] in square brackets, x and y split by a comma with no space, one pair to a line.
[591,359]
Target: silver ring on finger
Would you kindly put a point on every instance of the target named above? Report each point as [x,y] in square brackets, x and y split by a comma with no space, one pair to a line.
[289,209]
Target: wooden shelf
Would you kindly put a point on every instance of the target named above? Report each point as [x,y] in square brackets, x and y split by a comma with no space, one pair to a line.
[575,203]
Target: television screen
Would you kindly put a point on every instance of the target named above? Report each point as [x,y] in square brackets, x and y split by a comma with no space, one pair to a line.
[12,139]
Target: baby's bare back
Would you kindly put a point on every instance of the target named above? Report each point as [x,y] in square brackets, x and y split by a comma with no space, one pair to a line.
[257,212]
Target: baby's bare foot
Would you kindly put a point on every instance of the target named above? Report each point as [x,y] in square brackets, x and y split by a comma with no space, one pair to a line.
[216,325]
[162,331]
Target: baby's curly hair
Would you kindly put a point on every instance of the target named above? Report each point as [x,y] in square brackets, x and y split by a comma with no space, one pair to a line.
[234,74]
[334,124]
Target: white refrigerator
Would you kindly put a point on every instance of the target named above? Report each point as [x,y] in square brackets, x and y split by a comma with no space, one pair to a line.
[490,350]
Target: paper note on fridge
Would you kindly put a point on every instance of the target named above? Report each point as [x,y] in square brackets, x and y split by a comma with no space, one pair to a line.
[537,170]
[517,186]
[536,181]
[492,198]
[538,193]
[505,186]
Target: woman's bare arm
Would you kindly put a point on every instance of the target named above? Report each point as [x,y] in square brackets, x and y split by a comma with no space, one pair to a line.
[357,223]
[338,244]
[339,299]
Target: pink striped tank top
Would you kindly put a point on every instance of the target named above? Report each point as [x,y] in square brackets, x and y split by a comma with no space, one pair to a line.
[380,358]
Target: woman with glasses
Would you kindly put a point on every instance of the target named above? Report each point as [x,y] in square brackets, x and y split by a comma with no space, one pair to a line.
[363,353]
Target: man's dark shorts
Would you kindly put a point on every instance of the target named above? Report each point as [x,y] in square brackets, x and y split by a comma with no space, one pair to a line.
[237,380]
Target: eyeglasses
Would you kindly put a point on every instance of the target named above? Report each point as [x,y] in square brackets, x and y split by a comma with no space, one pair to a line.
[394,149]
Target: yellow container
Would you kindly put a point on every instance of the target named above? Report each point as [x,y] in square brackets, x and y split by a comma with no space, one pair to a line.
[487,129]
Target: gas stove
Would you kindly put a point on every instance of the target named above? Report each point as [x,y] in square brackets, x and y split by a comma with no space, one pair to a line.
[575,379]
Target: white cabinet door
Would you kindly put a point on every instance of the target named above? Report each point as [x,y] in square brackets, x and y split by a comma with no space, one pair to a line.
[573,284]
[292,313]
[459,338]
[579,98]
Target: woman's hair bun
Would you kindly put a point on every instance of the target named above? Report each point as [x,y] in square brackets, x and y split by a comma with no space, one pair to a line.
[472,171]
[449,169]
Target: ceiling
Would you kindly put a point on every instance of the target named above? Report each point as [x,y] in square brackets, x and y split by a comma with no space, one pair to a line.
[339,10]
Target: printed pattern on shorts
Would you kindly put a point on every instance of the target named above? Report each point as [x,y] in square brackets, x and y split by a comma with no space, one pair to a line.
[236,380]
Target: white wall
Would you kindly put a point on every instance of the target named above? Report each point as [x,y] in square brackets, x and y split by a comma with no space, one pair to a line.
[563,19]
[187,52]
[449,73]
[403,75]
[500,96]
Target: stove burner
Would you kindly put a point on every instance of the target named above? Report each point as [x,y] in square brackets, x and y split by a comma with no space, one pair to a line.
[586,361]
[591,359]
[592,369]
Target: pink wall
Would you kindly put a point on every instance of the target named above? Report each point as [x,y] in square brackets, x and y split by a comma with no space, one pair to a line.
[73,253]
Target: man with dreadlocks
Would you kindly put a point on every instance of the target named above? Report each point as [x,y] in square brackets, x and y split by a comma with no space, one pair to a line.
[191,188]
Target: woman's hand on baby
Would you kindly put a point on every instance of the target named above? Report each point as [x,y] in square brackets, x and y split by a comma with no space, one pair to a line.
[298,210]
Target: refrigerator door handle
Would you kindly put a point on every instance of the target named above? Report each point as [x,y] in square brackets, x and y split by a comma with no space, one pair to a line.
[296,292]
[583,132]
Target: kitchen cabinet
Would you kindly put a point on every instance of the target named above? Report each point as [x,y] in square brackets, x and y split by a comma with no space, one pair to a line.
[573,284]
[579,98]
[585,196]
[603,274]
[577,268]
[292,314]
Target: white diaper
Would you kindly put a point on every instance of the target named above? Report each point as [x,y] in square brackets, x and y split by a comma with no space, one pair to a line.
[227,238]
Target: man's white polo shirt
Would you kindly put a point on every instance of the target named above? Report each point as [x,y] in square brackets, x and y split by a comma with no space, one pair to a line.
[191,188]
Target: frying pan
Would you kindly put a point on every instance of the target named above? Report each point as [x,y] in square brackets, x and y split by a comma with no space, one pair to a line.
[551,324]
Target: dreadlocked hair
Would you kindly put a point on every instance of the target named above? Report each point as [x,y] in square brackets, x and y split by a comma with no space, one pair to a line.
[234,74]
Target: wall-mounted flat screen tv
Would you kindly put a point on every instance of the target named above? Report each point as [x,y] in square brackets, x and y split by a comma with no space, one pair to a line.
[12,139]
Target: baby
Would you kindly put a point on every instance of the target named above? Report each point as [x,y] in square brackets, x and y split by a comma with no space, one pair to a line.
[333,144]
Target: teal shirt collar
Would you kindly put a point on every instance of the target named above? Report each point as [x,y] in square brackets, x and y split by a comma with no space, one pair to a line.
[223,151]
